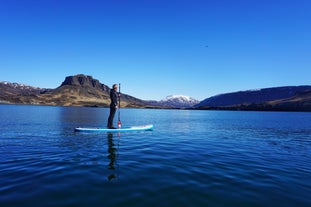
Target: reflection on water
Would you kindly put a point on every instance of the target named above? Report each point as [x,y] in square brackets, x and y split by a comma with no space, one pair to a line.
[215,158]
[113,146]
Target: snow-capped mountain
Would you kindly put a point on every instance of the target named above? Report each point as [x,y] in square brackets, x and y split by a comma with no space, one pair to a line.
[180,101]
[19,89]
[19,86]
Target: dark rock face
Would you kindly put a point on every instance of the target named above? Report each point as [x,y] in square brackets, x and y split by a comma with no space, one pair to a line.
[84,81]
[81,89]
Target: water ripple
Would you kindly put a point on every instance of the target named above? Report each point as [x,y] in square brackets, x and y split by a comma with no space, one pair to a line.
[192,158]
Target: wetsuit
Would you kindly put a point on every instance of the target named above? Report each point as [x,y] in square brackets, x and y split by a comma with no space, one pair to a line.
[113,107]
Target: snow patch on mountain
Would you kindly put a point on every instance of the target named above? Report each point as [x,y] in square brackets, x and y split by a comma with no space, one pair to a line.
[179,101]
[19,86]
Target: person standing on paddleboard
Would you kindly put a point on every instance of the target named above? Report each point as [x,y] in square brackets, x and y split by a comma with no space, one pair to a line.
[113,105]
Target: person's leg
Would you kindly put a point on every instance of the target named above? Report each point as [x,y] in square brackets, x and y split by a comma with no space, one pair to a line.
[111,116]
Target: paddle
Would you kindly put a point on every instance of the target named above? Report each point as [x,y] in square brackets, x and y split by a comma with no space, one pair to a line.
[119,121]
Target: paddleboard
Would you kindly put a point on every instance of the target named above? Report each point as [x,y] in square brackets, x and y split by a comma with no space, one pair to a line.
[124,129]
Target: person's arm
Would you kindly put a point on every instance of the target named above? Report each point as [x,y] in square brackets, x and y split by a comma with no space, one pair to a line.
[115,99]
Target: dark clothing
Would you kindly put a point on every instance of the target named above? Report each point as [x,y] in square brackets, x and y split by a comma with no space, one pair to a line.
[113,98]
[113,107]
[111,116]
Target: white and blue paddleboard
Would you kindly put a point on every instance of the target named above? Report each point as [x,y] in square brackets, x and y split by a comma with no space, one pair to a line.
[148,127]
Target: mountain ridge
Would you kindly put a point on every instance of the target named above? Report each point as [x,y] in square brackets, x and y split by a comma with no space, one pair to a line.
[285,98]
[84,90]
[77,90]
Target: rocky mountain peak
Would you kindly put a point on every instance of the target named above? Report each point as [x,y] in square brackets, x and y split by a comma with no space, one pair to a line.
[84,81]
[81,80]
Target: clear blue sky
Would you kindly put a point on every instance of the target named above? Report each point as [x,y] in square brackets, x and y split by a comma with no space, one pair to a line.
[156,48]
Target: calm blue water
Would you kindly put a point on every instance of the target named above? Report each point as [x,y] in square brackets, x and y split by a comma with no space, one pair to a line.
[192,158]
